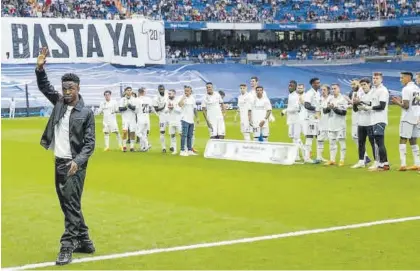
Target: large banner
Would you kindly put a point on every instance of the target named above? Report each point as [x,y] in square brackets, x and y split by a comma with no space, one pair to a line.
[128,42]
[252,151]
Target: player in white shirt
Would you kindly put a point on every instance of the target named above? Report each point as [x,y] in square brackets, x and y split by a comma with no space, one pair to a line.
[409,123]
[174,116]
[293,116]
[254,84]
[302,113]
[213,111]
[189,112]
[336,109]
[127,109]
[356,93]
[365,121]
[312,105]
[244,101]
[259,115]
[144,106]
[109,109]
[323,121]
[159,103]
[12,108]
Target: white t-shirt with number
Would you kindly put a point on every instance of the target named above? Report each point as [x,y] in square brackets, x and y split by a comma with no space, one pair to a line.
[380,94]
[213,103]
[411,93]
[337,122]
[155,32]
[323,121]
[244,101]
[143,107]
[259,108]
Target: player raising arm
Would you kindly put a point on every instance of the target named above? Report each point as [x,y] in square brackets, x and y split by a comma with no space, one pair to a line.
[244,101]
[109,108]
[128,114]
[259,115]
[337,111]
[409,128]
[213,111]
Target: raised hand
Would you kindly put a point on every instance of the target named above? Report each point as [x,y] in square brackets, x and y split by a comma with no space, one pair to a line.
[42,58]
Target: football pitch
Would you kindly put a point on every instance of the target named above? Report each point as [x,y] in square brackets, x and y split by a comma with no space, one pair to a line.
[151,201]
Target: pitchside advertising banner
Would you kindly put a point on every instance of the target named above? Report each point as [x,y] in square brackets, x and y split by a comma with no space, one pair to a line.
[252,151]
[130,42]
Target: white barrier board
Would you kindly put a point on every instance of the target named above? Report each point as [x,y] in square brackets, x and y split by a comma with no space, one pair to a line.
[252,151]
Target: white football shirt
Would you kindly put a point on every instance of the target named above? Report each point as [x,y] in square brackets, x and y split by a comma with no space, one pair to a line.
[293,108]
[213,104]
[155,32]
[365,118]
[127,115]
[143,107]
[337,122]
[314,98]
[259,108]
[244,102]
[323,121]
[410,93]
[174,115]
[355,115]
[109,109]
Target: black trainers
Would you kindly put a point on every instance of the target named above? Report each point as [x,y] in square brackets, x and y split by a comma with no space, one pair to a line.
[163,150]
[171,149]
[85,247]
[65,256]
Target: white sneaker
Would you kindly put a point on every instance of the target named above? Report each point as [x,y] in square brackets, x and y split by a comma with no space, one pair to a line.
[374,166]
[183,153]
[191,153]
[359,165]
[174,152]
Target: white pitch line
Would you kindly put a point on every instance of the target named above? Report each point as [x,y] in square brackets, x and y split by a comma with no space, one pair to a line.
[218,244]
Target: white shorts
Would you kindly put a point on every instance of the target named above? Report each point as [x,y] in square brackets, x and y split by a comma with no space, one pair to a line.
[245,127]
[110,126]
[218,128]
[354,129]
[409,130]
[142,128]
[257,131]
[334,135]
[322,135]
[175,129]
[129,125]
[310,128]
[295,129]
[163,123]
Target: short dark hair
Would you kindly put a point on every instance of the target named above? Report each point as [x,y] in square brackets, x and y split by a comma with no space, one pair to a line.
[261,87]
[70,77]
[313,80]
[408,73]
[222,93]
[161,87]
[107,91]
[209,83]
[293,82]
[242,85]
[365,80]
[255,78]
[141,90]
[127,88]
[335,84]
[377,74]
[172,90]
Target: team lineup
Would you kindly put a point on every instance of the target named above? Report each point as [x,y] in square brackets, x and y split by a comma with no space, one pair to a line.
[318,114]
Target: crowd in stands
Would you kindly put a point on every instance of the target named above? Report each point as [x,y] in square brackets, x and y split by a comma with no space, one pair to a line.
[217,54]
[216,10]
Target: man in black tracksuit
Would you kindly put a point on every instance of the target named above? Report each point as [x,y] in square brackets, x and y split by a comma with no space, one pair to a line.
[70,133]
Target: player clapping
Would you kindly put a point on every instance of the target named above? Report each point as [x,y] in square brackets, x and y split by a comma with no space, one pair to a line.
[336,110]
[144,105]
[213,111]
[109,108]
[323,121]
[159,104]
[128,114]
[312,105]
[174,119]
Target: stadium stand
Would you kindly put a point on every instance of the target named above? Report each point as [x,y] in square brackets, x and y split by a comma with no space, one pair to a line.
[217,11]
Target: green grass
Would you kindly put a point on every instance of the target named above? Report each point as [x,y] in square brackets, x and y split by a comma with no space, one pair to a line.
[135,201]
